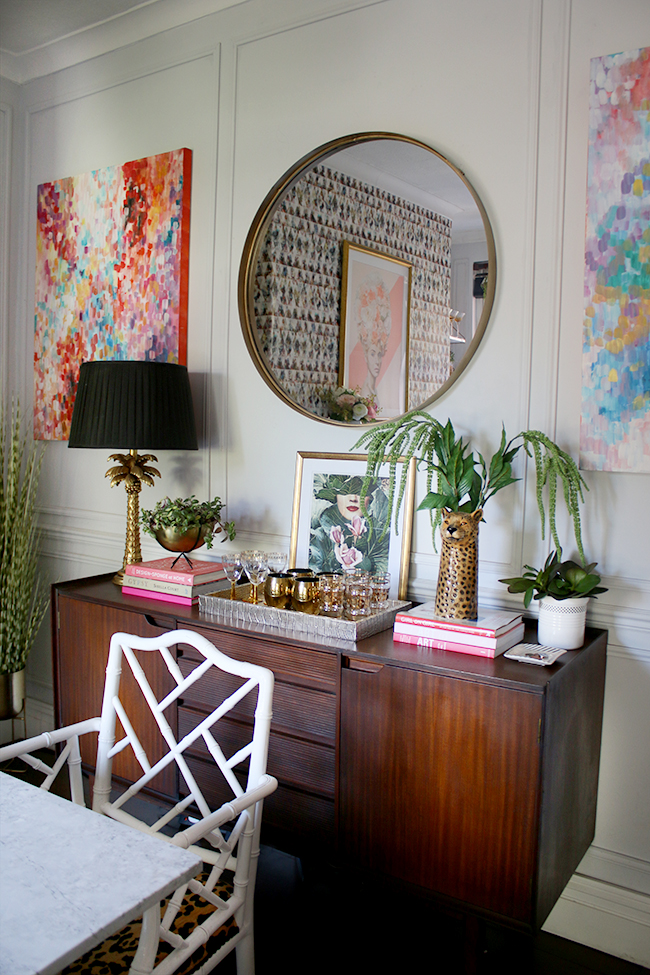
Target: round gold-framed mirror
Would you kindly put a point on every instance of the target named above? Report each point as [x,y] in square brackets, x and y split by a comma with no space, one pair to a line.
[370,266]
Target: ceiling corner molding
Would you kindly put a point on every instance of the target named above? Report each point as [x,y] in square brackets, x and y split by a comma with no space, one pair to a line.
[99,39]
[10,67]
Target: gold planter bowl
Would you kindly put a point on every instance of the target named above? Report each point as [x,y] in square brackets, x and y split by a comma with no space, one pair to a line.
[182,541]
[12,694]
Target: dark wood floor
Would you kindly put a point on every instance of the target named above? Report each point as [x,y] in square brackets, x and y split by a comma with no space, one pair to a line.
[310,920]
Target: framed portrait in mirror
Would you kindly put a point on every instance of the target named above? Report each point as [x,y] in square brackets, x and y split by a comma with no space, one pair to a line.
[374,333]
[332,531]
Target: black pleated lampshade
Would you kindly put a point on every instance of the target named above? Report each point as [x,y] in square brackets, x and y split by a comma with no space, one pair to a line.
[133,405]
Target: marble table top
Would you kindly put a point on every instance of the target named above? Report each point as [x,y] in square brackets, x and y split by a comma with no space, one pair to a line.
[69,877]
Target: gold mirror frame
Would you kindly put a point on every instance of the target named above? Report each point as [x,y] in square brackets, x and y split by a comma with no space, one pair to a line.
[257,234]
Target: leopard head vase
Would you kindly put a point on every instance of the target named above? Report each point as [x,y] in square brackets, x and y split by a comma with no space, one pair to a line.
[457,592]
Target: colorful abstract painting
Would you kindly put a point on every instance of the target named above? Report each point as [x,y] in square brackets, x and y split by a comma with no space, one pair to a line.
[615,422]
[112,264]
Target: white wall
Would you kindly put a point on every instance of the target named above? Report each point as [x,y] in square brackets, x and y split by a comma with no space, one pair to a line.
[498,86]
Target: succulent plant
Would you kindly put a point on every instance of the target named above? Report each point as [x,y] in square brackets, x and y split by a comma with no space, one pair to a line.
[560,580]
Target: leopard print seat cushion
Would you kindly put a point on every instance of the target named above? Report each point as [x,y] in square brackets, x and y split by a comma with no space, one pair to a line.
[115,954]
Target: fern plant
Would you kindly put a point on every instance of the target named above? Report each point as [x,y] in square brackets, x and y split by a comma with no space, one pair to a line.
[459,480]
[23,596]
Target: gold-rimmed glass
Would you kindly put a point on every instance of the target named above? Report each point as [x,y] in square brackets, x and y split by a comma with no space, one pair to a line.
[257,569]
[277,561]
[233,567]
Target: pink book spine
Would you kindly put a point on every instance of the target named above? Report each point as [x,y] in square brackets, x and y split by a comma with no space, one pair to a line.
[166,597]
[447,625]
[183,578]
[431,644]
[415,629]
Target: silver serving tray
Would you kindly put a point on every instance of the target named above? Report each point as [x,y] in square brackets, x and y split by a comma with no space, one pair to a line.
[219,606]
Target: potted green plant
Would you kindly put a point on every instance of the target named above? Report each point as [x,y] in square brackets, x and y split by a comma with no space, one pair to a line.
[183,524]
[464,481]
[460,482]
[23,596]
[564,590]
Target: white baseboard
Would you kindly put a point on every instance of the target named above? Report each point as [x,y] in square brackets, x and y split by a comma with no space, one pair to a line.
[604,916]
[616,869]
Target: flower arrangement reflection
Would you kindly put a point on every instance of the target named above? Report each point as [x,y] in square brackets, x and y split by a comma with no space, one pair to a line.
[341,537]
[348,405]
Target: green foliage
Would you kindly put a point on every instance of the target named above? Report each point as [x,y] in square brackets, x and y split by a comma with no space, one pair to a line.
[461,480]
[23,596]
[561,580]
[552,464]
[185,513]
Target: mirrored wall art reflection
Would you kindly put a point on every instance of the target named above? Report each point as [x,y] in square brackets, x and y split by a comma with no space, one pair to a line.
[314,337]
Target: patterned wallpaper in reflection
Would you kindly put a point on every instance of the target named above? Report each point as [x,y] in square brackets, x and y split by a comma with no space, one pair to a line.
[298,281]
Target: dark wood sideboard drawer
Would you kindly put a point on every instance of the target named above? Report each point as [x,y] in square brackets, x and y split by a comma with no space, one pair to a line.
[296,710]
[301,764]
[317,669]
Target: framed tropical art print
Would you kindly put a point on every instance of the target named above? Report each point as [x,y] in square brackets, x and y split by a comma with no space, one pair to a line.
[332,531]
[374,333]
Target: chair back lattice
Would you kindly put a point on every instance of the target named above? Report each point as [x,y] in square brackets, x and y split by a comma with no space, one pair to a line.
[251,681]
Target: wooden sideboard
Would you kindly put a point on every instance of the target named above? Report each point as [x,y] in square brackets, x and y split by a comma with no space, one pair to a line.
[471,780]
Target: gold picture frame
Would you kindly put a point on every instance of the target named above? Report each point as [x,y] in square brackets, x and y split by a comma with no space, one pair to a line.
[374,327]
[321,521]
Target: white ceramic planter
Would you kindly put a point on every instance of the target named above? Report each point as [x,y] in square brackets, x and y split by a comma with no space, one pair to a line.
[561,622]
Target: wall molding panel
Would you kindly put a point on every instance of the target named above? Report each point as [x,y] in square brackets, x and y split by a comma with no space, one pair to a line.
[6,127]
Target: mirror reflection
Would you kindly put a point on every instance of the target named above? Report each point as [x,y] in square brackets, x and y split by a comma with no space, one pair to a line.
[370,265]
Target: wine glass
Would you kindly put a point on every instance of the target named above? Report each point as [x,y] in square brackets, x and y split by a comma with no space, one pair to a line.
[277,561]
[257,570]
[233,567]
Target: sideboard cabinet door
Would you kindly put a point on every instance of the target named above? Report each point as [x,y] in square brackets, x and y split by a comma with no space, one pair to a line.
[82,635]
[439,783]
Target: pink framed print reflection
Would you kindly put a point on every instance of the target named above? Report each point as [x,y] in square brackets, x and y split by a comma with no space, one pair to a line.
[375,312]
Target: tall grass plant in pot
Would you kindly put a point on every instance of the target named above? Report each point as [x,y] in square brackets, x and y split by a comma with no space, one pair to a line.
[23,595]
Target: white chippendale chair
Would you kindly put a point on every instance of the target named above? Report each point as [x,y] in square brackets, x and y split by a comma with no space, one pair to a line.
[191,936]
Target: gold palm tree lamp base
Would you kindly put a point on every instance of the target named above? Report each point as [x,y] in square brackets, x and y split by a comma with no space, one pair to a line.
[133,472]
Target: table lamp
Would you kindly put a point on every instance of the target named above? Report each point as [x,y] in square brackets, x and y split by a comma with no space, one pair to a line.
[135,405]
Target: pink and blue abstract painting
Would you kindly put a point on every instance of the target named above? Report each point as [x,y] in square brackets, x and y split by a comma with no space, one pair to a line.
[615,421]
[112,263]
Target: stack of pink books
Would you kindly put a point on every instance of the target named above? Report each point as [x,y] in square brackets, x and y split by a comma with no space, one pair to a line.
[172,580]
[489,635]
